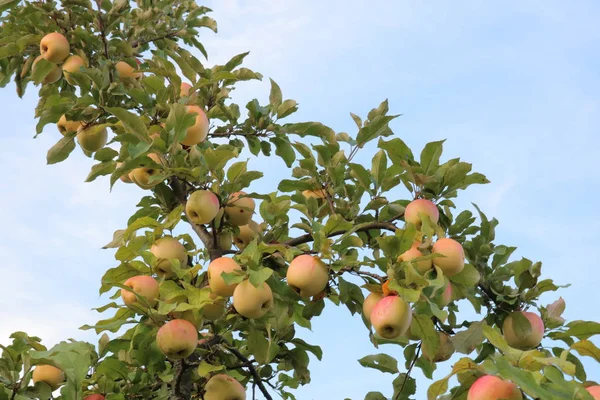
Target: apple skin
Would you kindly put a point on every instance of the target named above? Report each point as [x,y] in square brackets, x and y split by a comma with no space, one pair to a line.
[445,298]
[53,76]
[92,138]
[454,260]
[307,275]
[490,387]
[143,285]
[72,64]
[224,387]
[94,397]
[216,309]
[412,253]
[165,249]
[252,302]
[442,353]
[127,71]
[177,339]
[141,176]
[391,317]
[202,207]
[185,92]
[65,126]
[196,133]
[370,301]
[225,240]
[239,210]
[51,375]
[54,47]
[594,391]
[216,282]
[531,341]
[411,213]
[247,234]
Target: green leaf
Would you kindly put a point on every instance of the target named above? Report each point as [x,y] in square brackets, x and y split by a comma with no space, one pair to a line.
[520,325]
[375,396]
[336,223]
[258,277]
[430,157]
[104,168]
[275,97]
[423,327]
[587,348]
[133,123]
[466,341]
[236,170]
[61,150]
[284,149]
[362,175]
[379,166]
[379,126]
[578,329]
[286,108]
[469,276]
[381,362]
[397,150]
[205,369]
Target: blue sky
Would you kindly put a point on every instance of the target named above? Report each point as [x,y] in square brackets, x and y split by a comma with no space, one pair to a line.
[512,86]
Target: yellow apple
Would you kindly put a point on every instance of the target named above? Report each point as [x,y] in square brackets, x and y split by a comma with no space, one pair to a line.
[202,207]
[224,387]
[54,47]
[215,280]
[421,206]
[225,240]
[48,374]
[442,352]
[141,176]
[166,249]
[72,64]
[247,234]
[144,286]
[214,310]
[422,266]
[490,387]
[65,126]
[92,138]
[239,209]
[54,75]
[391,317]
[530,341]
[454,256]
[177,339]
[127,71]
[307,275]
[370,301]
[196,133]
[252,302]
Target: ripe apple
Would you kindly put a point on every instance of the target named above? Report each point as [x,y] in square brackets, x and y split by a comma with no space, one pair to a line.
[127,71]
[441,353]
[65,126]
[196,133]
[454,256]
[215,280]
[54,75]
[141,176]
[54,47]
[214,310]
[49,374]
[529,342]
[247,234]
[202,207]
[224,387]
[92,138]
[594,391]
[369,303]
[177,339]
[225,240]
[445,298]
[72,64]
[146,287]
[185,92]
[421,206]
[165,249]
[490,387]
[307,275]
[252,302]
[391,317]
[239,209]
[94,397]
[422,266]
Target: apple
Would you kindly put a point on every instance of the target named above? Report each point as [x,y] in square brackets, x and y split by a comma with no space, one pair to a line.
[391,317]
[124,177]
[224,387]
[421,206]
[177,339]
[225,240]
[65,126]
[490,387]
[252,302]
[369,303]
[317,194]
[185,92]
[441,353]
[532,340]
[54,75]
[239,209]
[454,256]
[247,234]
[127,71]
[594,391]
[422,266]
[196,133]
[146,287]
[141,176]
[307,275]
[214,310]
[215,280]
[445,298]
[202,207]
[94,397]
[49,374]
[72,64]
[54,47]
[92,137]
[166,249]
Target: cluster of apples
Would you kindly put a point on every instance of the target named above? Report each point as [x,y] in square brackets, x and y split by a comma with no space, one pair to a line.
[489,387]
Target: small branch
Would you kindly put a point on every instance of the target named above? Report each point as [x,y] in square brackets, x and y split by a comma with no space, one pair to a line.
[412,364]
[380,278]
[375,225]
[169,35]
[257,381]
[177,389]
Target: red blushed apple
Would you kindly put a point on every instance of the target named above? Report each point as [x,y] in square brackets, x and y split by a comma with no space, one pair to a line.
[94,397]
[532,340]
[177,339]
[391,317]
[216,282]
[307,275]
[421,206]
[491,387]
[454,256]
[422,266]
[144,286]
[594,391]
[445,297]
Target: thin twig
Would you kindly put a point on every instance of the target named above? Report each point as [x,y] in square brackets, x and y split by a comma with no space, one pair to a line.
[380,278]
[375,225]
[410,367]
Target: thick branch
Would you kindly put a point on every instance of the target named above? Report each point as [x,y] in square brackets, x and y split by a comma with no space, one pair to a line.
[375,225]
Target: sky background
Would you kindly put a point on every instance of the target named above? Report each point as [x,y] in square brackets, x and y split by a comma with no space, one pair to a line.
[513,87]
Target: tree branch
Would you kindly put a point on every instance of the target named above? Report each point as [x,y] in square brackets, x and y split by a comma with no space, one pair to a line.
[380,278]
[412,364]
[374,225]
[257,381]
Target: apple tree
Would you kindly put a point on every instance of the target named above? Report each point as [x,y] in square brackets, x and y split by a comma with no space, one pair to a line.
[211,278]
